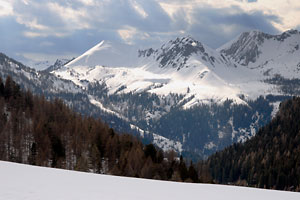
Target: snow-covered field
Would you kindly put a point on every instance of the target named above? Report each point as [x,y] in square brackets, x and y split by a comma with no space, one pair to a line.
[19,181]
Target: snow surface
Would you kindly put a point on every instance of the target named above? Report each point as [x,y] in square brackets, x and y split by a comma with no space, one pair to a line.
[18,181]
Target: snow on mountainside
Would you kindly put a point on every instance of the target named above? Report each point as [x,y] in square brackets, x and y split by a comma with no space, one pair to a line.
[29,78]
[143,86]
[51,86]
[176,54]
[18,181]
[265,53]
[187,67]
[180,85]
[107,54]
[184,66]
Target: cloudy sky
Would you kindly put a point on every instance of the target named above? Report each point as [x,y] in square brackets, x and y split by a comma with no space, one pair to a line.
[35,30]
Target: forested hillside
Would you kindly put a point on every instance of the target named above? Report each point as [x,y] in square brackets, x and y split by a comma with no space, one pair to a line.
[271,159]
[38,132]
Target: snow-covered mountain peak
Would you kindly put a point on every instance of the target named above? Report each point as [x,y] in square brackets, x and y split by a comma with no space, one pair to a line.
[287,34]
[183,42]
[109,54]
[244,49]
[182,53]
[258,50]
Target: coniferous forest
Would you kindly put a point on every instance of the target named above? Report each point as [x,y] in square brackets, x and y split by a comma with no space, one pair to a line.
[36,131]
[270,160]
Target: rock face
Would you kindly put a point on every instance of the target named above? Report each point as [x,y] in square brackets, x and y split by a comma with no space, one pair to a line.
[176,53]
[59,63]
[276,53]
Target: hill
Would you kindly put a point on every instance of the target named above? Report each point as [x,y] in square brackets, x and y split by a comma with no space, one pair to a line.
[48,133]
[271,159]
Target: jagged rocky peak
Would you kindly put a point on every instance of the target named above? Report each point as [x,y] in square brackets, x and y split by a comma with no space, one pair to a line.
[260,36]
[287,34]
[247,47]
[184,46]
[59,63]
[181,45]
[176,53]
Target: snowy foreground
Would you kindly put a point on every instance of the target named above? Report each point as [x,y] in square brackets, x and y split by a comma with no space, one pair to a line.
[19,181]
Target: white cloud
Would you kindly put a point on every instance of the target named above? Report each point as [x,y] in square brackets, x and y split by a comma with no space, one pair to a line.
[127,34]
[35,34]
[139,9]
[85,22]
[31,34]
[87,2]
[32,24]
[73,18]
[288,11]
[6,8]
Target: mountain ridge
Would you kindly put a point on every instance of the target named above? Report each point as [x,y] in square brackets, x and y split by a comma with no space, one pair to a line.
[196,107]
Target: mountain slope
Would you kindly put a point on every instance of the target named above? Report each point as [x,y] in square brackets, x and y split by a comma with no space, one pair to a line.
[57,65]
[182,78]
[51,86]
[161,93]
[271,159]
[108,54]
[48,133]
[268,54]
[183,66]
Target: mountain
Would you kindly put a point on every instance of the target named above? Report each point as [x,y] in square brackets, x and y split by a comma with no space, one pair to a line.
[265,53]
[48,133]
[52,87]
[183,66]
[41,65]
[109,54]
[271,159]
[182,95]
[38,82]
[273,58]
[57,65]
[202,99]
[35,182]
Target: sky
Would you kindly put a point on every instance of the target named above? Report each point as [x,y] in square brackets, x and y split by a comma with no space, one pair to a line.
[38,30]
